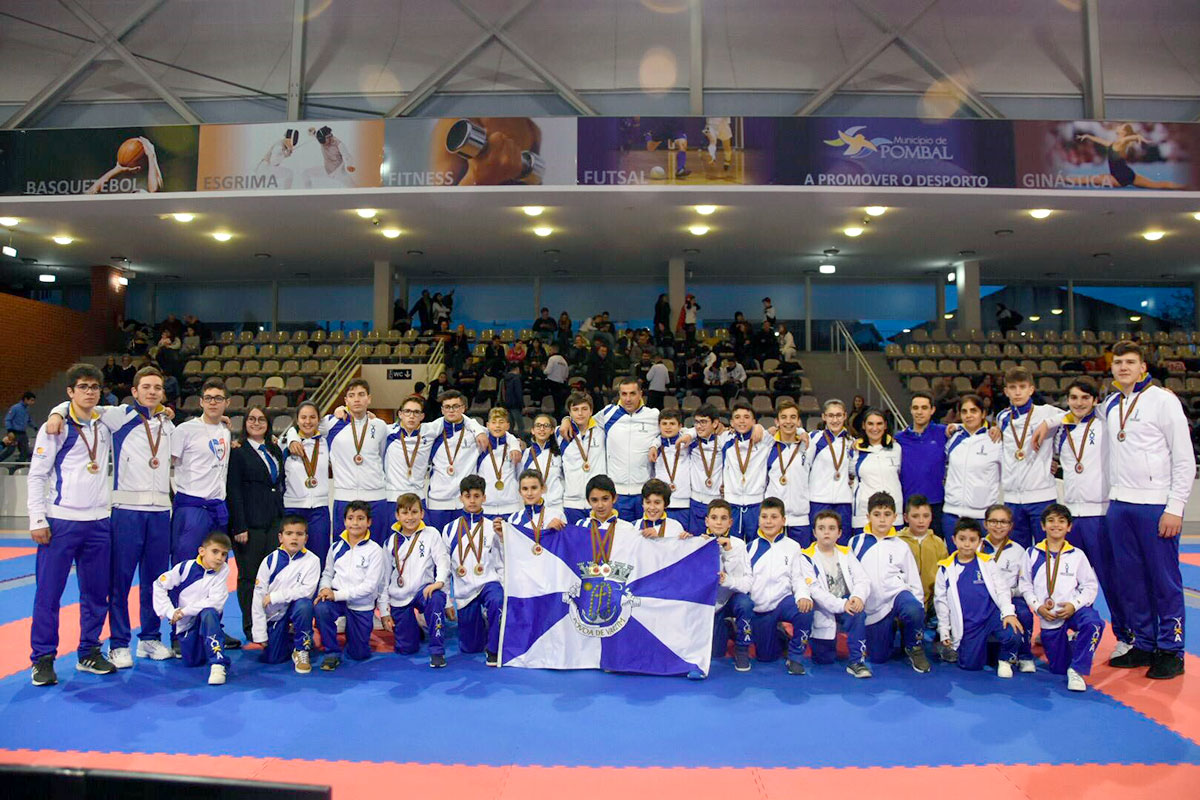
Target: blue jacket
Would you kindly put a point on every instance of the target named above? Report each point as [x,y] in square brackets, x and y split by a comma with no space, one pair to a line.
[923,462]
[17,418]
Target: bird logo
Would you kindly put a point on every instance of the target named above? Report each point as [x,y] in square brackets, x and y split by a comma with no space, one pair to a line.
[856,143]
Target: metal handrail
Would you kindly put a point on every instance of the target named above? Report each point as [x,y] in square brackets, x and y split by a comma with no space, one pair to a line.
[335,382]
[841,335]
[435,365]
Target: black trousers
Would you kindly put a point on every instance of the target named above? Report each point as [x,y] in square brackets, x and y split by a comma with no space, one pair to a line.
[249,557]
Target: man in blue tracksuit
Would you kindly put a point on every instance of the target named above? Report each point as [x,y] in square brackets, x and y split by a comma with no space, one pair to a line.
[923,456]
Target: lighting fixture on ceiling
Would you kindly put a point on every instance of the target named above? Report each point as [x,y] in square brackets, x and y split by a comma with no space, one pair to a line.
[390,233]
[10,251]
[46,277]
[951,277]
[876,211]
[1040,213]
[948,315]
[853,231]
[122,280]
[533,211]
[827,269]
[1056,311]
[1153,236]
[222,236]
[704,211]
[1135,317]
[63,240]
[1035,317]
[365,213]
[543,231]
[698,230]
[9,222]
[183,216]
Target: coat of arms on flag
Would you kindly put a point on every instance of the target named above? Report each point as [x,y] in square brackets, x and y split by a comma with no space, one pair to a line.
[646,608]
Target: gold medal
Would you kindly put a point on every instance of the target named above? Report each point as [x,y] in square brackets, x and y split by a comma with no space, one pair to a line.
[410,459]
[446,441]
[498,468]
[1020,455]
[93,467]
[310,464]
[585,455]
[479,569]
[500,485]
[462,572]
[783,468]
[743,465]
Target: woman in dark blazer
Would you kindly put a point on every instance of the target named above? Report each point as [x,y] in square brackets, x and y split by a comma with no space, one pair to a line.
[254,495]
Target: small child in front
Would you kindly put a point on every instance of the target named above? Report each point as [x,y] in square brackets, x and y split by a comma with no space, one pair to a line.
[839,589]
[733,590]
[283,595]
[414,579]
[191,596]
[1060,586]
[349,586]
[778,589]
[973,604]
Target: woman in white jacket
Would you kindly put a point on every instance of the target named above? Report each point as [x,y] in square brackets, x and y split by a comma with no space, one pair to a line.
[875,466]
[972,468]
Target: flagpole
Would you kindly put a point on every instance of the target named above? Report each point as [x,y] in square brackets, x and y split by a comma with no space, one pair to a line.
[504,605]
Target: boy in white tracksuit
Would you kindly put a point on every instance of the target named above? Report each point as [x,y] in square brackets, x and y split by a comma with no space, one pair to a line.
[1028,484]
[582,456]
[415,575]
[974,605]
[733,591]
[895,586]
[705,467]
[283,595]
[1059,585]
[778,589]
[350,584]
[191,595]
[840,589]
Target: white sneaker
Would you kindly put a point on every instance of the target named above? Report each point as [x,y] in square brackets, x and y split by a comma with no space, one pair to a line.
[216,675]
[1075,681]
[154,650]
[1003,669]
[120,657]
[1027,665]
[1121,649]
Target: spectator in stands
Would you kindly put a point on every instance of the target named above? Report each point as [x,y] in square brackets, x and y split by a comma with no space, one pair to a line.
[442,383]
[443,333]
[557,372]
[768,312]
[787,344]
[443,305]
[495,357]
[18,422]
[171,389]
[513,395]
[518,353]
[171,325]
[537,353]
[167,354]
[111,372]
[600,373]
[107,396]
[732,377]
[8,448]
[986,387]
[739,336]
[563,336]
[1007,318]
[458,349]
[766,343]
[139,341]
[688,317]
[662,312]
[423,311]
[544,326]
[945,396]
[579,350]
[858,410]
[656,379]
[401,321]
[589,324]
[664,340]
[199,328]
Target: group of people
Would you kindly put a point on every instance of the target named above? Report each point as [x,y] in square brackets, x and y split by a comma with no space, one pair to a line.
[805,520]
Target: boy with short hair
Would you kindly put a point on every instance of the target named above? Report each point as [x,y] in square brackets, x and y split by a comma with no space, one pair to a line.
[745,475]
[829,465]
[200,453]
[1029,486]
[1008,560]
[604,523]
[582,456]
[283,595]
[191,596]
[349,587]
[671,467]
[895,586]
[356,454]
[475,558]
[705,467]
[455,451]
[655,523]
[839,589]
[778,589]
[974,606]
[733,589]
[787,470]
[928,548]
[1059,585]
[414,579]
[498,467]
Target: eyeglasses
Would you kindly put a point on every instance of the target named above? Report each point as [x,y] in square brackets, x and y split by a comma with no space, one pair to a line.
[452,407]
[87,387]
[1005,522]
[256,420]
[543,425]
[411,411]
[213,398]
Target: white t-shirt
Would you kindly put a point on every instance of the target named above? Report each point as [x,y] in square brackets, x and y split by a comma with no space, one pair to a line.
[201,455]
[656,378]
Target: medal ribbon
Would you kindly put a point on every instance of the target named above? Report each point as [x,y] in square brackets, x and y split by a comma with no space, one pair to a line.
[783,468]
[1052,579]
[1124,417]
[359,441]
[744,465]
[91,448]
[1082,442]
[310,465]
[837,460]
[492,458]
[674,468]
[474,545]
[410,460]
[708,468]
[396,554]
[537,526]
[584,454]
[153,440]
[1020,443]
[537,467]
[602,545]
[662,525]
[446,441]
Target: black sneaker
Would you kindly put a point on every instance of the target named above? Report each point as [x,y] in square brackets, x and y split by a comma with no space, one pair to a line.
[437,661]
[917,658]
[741,660]
[176,649]
[43,672]
[493,659]
[1133,659]
[330,663]
[95,663]
[232,643]
[1167,664]
[795,668]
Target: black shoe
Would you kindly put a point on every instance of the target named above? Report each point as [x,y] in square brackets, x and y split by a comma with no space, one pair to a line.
[682,173]
[1133,659]
[493,659]
[437,661]
[43,672]
[795,668]
[232,643]
[177,649]
[1167,664]
[331,663]
[95,663]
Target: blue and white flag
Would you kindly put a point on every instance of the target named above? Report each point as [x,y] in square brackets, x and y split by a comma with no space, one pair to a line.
[647,609]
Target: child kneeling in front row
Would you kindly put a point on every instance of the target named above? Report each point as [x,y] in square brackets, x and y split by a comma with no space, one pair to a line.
[1060,586]
[415,576]
[839,589]
[974,605]
[733,590]
[283,597]
[191,596]
[349,587]
[778,589]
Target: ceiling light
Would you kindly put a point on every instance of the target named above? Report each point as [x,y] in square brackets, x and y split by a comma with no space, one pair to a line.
[1135,318]
[907,330]
[853,231]
[533,211]
[1153,236]
[390,233]
[705,210]
[1145,304]
[1040,213]
[365,213]
[184,217]
[123,280]
[1195,216]
[876,211]
[1056,311]
[827,269]
[62,239]
[948,315]
[10,251]
[1034,317]
[48,278]
[698,230]
[11,222]
[222,236]
[951,277]
[543,230]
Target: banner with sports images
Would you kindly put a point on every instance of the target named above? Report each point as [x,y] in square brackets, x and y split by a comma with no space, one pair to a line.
[1092,154]
[479,151]
[290,156]
[73,161]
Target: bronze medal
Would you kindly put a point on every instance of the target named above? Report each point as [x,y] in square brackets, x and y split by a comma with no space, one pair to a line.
[1079,467]
[1078,452]
[446,442]
[310,464]
[584,454]
[1120,436]
[837,460]
[358,459]
[1020,455]
[743,465]
[402,562]
[92,466]
[154,441]
[709,468]
[1020,442]
[1123,417]
[410,459]
[783,468]
[311,483]
[359,441]
[674,468]
[470,542]
[462,572]
[479,569]
[537,549]
[153,463]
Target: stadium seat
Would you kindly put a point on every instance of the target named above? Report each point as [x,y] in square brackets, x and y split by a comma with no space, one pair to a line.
[1048,367]
[281,423]
[717,401]
[926,366]
[905,366]
[211,351]
[226,337]
[236,403]
[229,351]
[231,367]
[253,385]
[812,423]
[989,367]
[920,335]
[762,404]
[756,385]
[952,350]
[962,384]
[918,383]
[809,404]
[279,337]
[323,351]
[192,404]
[192,368]
[1175,385]
[690,403]
[329,365]
[310,367]
[245,337]
[341,350]
[300,337]
[405,350]
[212,367]
[893,351]
[1069,336]
[269,367]
[968,367]
[274,382]
[336,337]
[251,367]
[947,366]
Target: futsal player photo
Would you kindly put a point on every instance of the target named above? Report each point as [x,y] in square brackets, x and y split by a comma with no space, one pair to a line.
[673,150]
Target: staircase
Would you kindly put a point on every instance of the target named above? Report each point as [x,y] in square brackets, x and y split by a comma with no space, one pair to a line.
[848,371]
[54,391]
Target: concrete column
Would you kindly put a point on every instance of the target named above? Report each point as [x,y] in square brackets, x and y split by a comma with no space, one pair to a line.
[1071,306]
[382,297]
[808,338]
[968,314]
[939,291]
[676,285]
[400,288]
